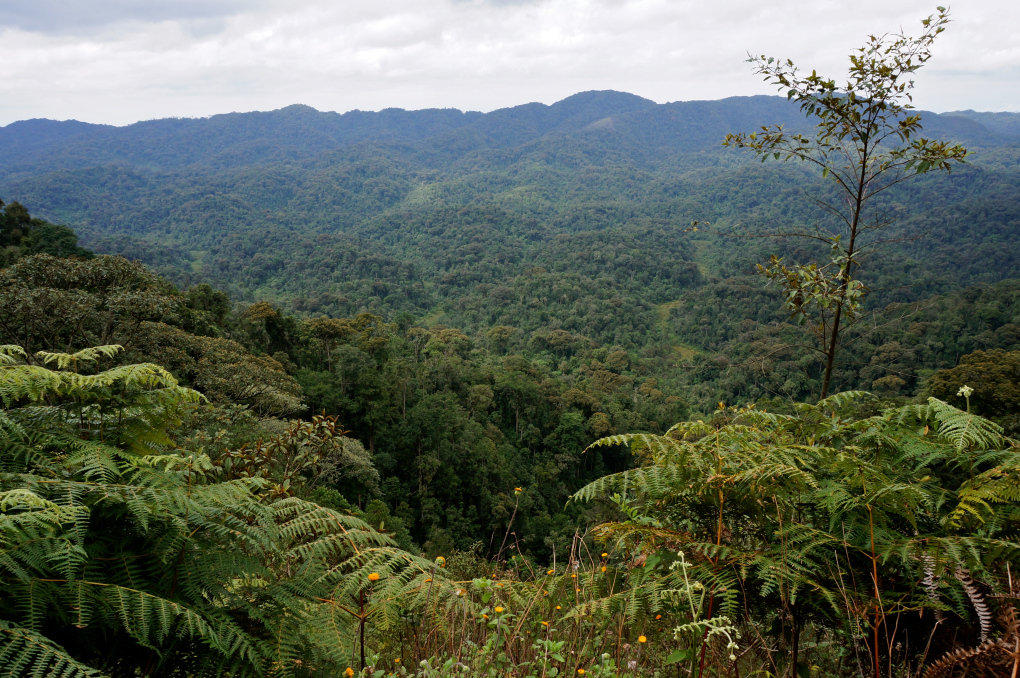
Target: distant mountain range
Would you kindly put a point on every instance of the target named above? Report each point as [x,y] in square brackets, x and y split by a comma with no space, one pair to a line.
[412,210]
[646,129]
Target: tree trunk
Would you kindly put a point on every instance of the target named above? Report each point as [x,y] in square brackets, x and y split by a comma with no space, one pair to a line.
[361,624]
[830,353]
[795,641]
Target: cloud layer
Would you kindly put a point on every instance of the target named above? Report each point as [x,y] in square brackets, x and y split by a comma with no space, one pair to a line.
[117,61]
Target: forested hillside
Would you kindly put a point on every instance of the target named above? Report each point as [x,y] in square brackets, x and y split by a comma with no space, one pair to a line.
[470,449]
[573,217]
[319,391]
[411,211]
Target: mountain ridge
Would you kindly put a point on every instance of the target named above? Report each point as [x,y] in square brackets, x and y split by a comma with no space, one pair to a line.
[396,211]
[299,131]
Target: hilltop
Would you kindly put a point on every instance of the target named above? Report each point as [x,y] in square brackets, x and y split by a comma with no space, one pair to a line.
[473,219]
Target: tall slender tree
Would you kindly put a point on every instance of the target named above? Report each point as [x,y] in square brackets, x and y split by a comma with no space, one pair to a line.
[867,139]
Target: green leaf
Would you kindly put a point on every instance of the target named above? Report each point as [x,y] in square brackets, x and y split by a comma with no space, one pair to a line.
[677,656]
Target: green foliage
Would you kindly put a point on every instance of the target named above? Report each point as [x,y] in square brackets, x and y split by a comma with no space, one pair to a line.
[747,352]
[335,215]
[993,374]
[477,298]
[25,652]
[121,555]
[822,515]
[452,422]
[456,229]
[20,235]
[53,304]
[453,427]
[222,369]
[303,455]
[866,141]
[449,426]
[60,305]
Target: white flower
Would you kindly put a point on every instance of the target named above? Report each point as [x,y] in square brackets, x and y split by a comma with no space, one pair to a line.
[965,391]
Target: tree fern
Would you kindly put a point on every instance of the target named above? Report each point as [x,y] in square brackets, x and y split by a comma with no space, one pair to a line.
[133,557]
[806,508]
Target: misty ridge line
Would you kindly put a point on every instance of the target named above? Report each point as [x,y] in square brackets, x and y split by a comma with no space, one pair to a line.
[683,125]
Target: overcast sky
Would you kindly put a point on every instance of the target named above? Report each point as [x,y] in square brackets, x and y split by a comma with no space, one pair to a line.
[119,61]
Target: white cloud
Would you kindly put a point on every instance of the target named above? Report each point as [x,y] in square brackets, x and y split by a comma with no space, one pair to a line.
[137,60]
[76,17]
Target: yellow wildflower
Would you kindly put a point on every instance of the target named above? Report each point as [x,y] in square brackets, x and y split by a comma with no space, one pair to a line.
[642,639]
[349,672]
[498,610]
[373,577]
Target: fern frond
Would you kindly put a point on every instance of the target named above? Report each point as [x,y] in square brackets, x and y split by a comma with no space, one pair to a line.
[87,355]
[977,497]
[27,653]
[653,481]
[12,355]
[837,401]
[963,430]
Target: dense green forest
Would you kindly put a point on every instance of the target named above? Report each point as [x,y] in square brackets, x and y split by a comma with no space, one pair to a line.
[445,393]
[474,452]
[412,211]
[574,218]
[454,420]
